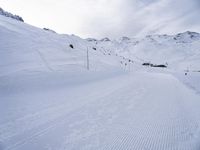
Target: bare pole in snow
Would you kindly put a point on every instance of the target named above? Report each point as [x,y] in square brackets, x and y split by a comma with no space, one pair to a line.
[88,67]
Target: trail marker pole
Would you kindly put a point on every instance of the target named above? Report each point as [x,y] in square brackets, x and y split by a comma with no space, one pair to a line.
[88,67]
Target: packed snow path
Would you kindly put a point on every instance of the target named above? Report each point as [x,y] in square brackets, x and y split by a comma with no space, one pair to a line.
[136,111]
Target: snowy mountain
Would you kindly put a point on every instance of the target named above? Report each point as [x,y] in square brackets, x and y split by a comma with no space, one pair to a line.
[62,92]
[179,51]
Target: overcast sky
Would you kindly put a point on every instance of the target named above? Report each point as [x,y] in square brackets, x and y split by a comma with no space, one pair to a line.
[109,18]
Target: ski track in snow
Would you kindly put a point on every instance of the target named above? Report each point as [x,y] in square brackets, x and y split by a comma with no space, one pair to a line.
[119,113]
[44,60]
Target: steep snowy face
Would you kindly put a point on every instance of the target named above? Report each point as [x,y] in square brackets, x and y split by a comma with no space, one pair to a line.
[7,14]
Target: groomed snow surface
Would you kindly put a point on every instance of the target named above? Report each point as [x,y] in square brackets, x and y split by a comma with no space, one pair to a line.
[50,101]
[98,111]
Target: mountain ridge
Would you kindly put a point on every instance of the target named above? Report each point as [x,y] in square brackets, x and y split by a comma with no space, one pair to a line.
[10,15]
[180,51]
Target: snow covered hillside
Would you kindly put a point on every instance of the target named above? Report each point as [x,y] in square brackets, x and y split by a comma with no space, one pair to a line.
[49,100]
[26,48]
[181,51]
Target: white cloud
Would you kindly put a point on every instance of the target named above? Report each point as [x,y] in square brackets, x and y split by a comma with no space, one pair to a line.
[112,18]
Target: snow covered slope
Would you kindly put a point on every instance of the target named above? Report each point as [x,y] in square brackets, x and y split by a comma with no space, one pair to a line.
[26,48]
[181,51]
[49,100]
[91,111]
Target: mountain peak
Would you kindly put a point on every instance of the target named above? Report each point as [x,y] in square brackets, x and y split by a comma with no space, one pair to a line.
[124,38]
[187,36]
[188,33]
[105,40]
